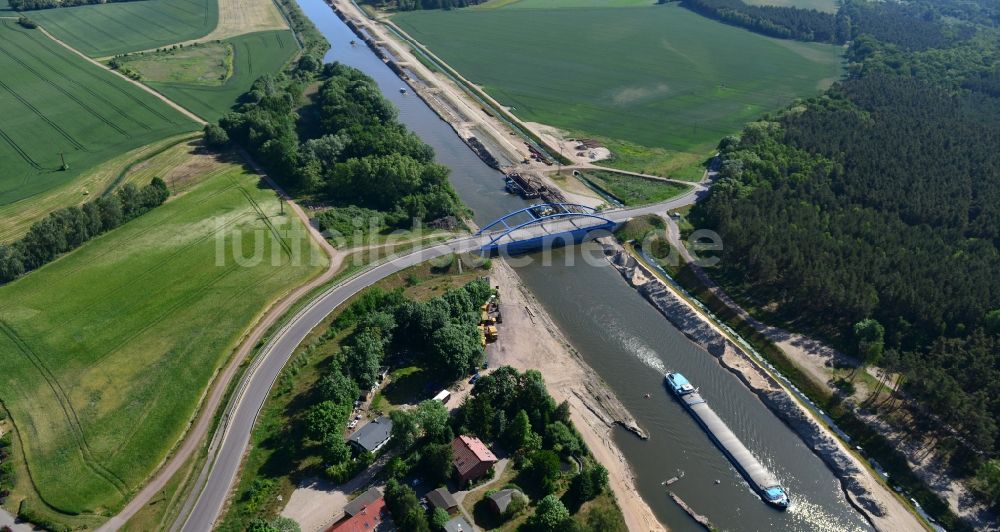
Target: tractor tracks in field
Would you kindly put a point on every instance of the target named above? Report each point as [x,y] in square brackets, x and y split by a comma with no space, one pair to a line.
[72,419]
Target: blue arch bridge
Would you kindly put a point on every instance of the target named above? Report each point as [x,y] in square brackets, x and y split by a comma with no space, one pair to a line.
[545,225]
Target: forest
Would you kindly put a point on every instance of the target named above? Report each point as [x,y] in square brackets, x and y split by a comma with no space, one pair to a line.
[359,154]
[871,216]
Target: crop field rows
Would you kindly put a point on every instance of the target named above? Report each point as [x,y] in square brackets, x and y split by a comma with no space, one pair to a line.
[253,55]
[107,29]
[56,105]
[661,77]
[102,384]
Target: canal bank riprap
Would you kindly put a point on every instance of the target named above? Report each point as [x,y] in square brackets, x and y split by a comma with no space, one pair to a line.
[878,506]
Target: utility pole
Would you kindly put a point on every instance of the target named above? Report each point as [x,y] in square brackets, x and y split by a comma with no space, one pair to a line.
[64,166]
[281,203]
[561,142]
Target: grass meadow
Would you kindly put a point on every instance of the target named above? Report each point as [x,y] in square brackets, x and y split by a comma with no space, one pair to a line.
[107,351]
[204,64]
[53,102]
[254,54]
[654,77]
[633,190]
[101,30]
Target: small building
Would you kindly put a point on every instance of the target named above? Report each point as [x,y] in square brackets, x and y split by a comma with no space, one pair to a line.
[500,500]
[443,499]
[372,436]
[458,524]
[371,517]
[362,501]
[472,459]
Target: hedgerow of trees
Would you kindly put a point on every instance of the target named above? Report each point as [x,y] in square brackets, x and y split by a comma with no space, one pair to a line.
[29,5]
[67,229]
[781,22]
[414,5]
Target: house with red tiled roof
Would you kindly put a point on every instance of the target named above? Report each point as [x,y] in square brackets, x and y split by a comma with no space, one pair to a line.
[365,514]
[471,458]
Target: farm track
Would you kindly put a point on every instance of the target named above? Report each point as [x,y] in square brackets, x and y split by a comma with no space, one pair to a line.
[197,119]
[72,419]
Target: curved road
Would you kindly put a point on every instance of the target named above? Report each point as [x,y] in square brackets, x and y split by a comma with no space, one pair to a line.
[238,421]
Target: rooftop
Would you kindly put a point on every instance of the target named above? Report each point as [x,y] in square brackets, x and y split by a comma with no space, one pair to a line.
[468,452]
[502,499]
[373,435]
[369,519]
[442,498]
[362,501]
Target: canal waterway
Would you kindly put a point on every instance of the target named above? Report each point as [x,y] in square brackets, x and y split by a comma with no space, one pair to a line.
[631,346]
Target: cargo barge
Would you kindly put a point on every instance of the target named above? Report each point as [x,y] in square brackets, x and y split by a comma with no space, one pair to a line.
[760,479]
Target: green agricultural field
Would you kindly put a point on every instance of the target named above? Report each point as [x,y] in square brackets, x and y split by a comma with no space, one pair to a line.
[659,77]
[107,351]
[255,54]
[101,30]
[53,102]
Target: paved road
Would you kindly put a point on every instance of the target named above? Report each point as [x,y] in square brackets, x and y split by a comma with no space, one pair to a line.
[238,422]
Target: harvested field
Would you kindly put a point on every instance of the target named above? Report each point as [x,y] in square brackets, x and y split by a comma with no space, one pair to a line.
[54,104]
[237,17]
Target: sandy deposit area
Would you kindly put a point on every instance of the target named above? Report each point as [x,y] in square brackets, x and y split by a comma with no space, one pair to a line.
[531,340]
[880,506]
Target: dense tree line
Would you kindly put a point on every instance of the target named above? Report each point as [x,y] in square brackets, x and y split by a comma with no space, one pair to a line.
[774,21]
[30,5]
[911,26]
[67,229]
[413,5]
[362,155]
